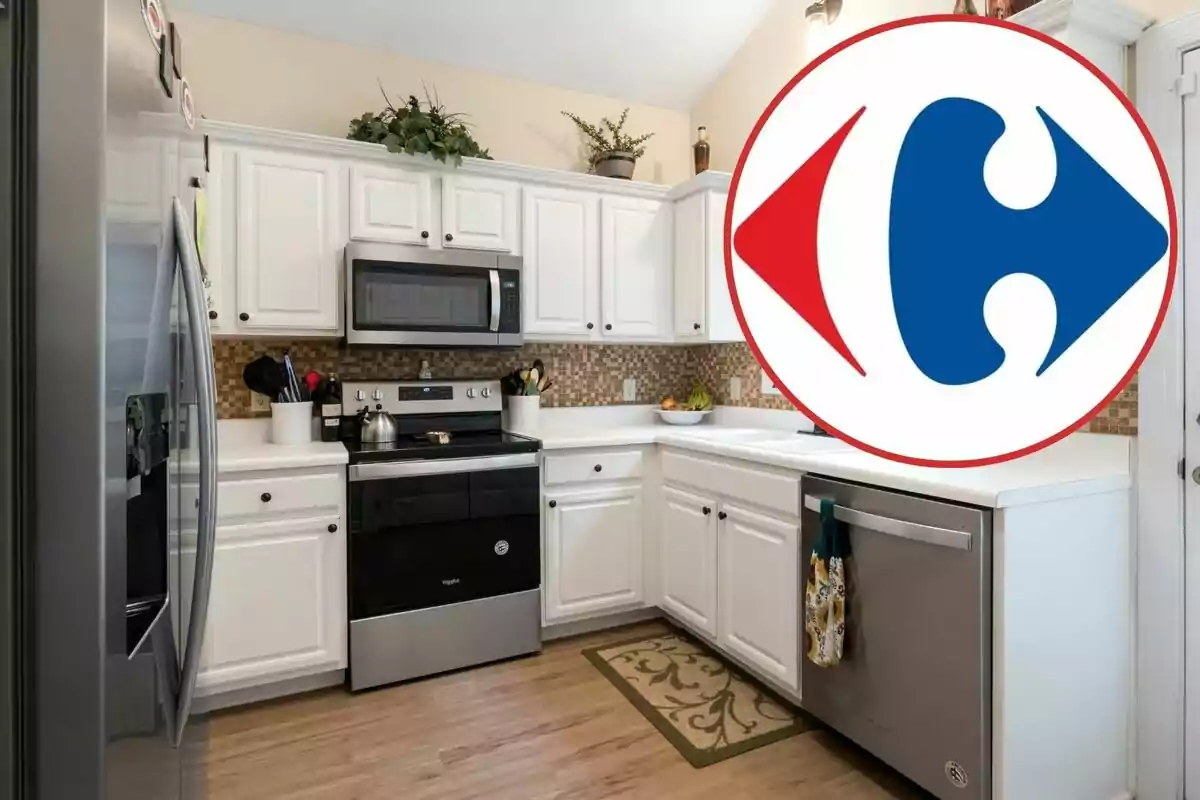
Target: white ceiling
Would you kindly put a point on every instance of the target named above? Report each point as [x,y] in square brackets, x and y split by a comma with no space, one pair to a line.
[657,52]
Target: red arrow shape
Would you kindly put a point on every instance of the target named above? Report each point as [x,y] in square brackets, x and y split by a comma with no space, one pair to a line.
[779,241]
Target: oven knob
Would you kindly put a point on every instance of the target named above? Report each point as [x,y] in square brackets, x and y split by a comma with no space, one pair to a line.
[470,393]
[378,394]
[485,392]
[360,395]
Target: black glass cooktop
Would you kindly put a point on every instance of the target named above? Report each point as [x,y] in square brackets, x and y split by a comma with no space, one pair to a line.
[462,444]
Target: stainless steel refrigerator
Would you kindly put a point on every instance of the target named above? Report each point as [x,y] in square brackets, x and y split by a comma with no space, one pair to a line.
[107,405]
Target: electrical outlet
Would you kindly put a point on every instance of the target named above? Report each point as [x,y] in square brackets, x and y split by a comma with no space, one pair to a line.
[768,386]
[735,388]
[629,390]
[259,402]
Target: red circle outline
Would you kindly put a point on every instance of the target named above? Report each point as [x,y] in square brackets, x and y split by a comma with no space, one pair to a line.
[903,23]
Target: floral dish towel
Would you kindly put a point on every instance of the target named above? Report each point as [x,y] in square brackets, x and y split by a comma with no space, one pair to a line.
[825,593]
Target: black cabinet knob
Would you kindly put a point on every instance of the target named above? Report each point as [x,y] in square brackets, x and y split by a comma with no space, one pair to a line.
[449,237]
[721,515]
[212,315]
[244,317]
[424,234]
[553,503]
[706,510]
[590,326]
[608,327]
[597,468]
[265,497]
[332,527]
[695,326]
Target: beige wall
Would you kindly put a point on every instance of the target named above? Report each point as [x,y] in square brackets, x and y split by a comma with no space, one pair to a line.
[261,76]
[782,44]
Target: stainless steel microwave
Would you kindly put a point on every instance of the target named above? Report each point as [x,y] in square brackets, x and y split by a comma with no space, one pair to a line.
[412,296]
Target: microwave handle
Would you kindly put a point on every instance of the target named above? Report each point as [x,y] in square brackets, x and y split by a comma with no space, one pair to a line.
[494,276]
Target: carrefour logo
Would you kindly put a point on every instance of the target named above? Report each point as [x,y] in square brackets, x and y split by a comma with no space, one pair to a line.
[950,240]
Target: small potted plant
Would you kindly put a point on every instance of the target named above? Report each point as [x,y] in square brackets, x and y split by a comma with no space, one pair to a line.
[611,157]
[417,127]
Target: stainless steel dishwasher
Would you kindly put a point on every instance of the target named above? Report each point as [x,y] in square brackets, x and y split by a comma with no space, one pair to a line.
[914,685]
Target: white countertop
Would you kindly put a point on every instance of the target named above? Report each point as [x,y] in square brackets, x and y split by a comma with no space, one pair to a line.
[242,446]
[1079,465]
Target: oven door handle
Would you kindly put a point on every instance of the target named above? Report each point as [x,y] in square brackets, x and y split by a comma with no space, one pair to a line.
[439,466]
[494,277]
[915,531]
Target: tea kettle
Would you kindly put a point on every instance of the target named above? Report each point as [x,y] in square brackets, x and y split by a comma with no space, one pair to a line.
[376,426]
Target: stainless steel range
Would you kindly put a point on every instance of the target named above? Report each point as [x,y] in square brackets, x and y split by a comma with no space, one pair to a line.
[444,545]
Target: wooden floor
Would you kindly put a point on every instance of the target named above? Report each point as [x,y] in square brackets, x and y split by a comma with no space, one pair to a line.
[532,729]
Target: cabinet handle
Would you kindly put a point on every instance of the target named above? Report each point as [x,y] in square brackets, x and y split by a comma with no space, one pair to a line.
[590,326]
[597,468]
[424,234]
[608,327]
[553,503]
[721,515]
[244,317]
[332,527]
[212,315]
[706,510]
[695,326]
[265,497]
[449,237]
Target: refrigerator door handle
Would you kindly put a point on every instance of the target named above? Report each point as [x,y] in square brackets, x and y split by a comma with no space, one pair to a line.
[206,404]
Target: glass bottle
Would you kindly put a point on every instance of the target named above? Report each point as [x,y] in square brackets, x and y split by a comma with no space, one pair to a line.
[701,149]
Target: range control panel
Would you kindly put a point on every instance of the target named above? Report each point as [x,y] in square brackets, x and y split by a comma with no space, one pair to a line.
[423,397]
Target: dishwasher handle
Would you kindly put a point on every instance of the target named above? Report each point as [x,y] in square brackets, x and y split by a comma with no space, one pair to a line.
[927,534]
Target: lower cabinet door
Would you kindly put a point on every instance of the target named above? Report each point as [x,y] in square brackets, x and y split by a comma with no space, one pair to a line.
[593,551]
[278,603]
[688,558]
[759,590]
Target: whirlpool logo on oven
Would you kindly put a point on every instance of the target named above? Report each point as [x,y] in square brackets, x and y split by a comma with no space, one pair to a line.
[946,265]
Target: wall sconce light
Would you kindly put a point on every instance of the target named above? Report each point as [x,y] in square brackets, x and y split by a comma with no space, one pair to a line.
[823,11]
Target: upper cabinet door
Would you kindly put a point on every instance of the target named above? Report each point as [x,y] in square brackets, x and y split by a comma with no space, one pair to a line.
[722,324]
[691,270]
[561,270]
[635,267]
[291,234]
[479,213]
[390,205]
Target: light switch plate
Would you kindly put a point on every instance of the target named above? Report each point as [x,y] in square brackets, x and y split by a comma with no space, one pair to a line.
[735,388]
[768,386]
[259,402]
[629,390]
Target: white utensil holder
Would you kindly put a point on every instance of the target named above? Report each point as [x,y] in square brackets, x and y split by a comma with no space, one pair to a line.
[523,413]
[291,423]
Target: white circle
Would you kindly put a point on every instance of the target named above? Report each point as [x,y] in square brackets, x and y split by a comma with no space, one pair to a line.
[895,409]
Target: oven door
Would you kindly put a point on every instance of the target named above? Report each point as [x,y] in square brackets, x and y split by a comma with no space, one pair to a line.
[407,295]
[431,533]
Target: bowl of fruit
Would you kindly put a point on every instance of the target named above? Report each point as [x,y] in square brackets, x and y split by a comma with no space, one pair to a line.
[691,411]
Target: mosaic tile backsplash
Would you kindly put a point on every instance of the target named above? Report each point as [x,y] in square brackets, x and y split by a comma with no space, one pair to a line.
[583,374]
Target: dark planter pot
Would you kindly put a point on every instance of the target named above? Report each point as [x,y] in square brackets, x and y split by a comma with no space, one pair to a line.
[616,165]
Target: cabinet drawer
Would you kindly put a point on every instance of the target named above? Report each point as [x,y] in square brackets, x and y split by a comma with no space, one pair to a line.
[593,467]
[736,481]
[261,497]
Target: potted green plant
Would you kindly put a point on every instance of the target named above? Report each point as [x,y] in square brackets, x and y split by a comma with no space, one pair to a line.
[417,127]
[611,157]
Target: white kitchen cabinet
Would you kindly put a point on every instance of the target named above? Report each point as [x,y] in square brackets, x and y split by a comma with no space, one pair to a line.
[388,204]
[480,213]
[759,590]
[593,551]
[278,604]
[688,558]
[561,270]
[703,306]
[635,268]
[291,231]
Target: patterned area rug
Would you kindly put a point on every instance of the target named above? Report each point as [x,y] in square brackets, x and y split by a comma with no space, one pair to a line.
[708,711]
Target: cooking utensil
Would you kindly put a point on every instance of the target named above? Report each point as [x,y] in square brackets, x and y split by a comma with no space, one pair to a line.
[438,437]
[264,375]
[377,425]
[532,383]
[312,380]
[293,384]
